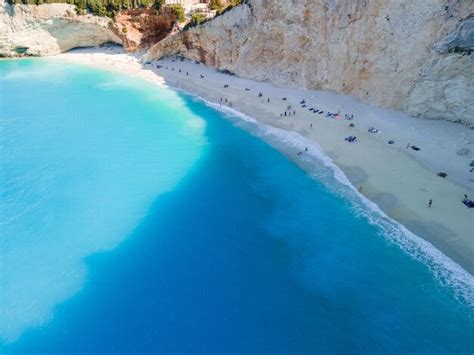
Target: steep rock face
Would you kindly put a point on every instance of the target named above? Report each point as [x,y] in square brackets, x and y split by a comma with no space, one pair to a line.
[49,29]
[415,56]
[141,28]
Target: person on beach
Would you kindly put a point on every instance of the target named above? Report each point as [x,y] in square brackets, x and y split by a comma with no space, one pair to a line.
[430,202]
[268,100]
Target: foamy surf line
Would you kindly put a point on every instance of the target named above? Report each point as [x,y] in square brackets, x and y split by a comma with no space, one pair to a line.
[446,271]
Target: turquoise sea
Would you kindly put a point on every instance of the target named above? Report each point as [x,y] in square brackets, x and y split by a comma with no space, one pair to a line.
[139,219]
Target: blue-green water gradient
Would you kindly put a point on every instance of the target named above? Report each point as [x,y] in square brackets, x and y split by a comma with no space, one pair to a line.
[136,219]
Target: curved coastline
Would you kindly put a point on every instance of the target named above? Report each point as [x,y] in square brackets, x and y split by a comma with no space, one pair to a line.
[447,270]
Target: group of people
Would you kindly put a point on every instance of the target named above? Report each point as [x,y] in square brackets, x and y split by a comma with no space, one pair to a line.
[311,109]
[319,112]
[301,152]
[158,66]
[291,112]
[228,102]
[351,139]
[288,112]
[333,114]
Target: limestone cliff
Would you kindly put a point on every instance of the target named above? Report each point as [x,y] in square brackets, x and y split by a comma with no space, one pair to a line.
[415,56]
[49,29]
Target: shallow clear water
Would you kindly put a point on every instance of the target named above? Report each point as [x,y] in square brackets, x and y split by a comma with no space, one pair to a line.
[137,219]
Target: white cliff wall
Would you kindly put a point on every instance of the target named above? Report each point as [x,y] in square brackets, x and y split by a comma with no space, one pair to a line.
[415,56]
[49,29]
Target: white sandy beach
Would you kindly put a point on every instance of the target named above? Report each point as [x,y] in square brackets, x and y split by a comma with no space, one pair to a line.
[400,180]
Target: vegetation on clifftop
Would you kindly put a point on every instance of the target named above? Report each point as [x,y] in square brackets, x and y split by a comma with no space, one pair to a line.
[110,7]
[178,10]
[220,6]
[98,7]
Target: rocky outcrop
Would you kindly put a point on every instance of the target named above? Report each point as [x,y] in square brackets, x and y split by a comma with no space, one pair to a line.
[414,56]
[460,40]
[49,29]
[141,28]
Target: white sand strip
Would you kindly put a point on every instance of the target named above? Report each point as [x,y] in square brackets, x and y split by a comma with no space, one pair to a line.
[400,180]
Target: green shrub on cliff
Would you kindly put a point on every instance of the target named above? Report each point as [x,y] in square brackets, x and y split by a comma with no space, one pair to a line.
[230,5]
[197,19]
[216,5]
[178,11]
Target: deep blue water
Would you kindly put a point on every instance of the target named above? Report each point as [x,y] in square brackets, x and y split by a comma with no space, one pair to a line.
[135,219]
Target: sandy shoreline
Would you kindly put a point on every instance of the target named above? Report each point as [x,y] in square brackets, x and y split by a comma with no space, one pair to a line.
[400,181]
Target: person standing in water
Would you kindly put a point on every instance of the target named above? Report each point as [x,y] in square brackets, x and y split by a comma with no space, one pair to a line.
[430,202]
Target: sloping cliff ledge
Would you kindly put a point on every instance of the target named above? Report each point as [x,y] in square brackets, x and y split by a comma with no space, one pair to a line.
[413,56]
